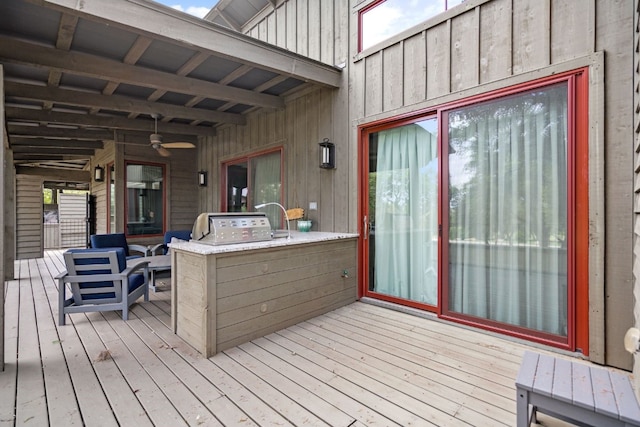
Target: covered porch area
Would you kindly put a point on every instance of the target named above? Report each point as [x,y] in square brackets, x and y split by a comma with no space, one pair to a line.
[359,365]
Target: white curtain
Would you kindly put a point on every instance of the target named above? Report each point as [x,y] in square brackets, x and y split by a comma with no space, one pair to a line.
[406,213]
[508,210]
[266,185]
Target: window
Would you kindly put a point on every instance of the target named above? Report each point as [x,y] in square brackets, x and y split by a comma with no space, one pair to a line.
[253,180]
[386,18]
[476,211]
[145,199]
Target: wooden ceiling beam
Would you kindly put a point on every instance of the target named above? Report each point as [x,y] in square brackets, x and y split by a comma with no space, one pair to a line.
[135,52]
[39,157]
[117,103]
[39,151]
[52,132]
[66,29]
[55,174]
[55,143]
[22,52]
[47,116]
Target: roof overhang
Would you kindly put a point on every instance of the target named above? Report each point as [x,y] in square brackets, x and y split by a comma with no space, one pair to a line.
[82,72]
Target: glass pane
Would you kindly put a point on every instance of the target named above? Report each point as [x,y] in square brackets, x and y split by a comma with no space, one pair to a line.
[403,212]
[394,16]
[266,186]
[237,187]
[144,199]
[508,210]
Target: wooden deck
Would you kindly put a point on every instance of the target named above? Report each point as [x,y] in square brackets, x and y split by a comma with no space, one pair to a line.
[361,365]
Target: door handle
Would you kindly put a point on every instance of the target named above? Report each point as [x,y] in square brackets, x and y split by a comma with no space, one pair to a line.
[365,227]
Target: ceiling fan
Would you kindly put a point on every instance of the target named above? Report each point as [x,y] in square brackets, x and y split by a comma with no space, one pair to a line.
[155,140]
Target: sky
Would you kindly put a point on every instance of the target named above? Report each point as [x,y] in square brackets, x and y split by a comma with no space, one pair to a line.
[394,16]
[197,8]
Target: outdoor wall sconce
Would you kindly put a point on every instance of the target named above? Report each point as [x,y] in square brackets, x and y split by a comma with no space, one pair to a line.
[202,178]
[98,174]
[327,154]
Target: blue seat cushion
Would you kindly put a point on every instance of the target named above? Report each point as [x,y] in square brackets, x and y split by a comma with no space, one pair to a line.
[112,240]
[135,280]
[178,234]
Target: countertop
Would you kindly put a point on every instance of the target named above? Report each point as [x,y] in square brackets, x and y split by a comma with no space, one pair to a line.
[297,238]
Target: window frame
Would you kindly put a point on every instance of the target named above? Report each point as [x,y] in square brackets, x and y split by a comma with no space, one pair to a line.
[247,159]
[163,166]
[377,3]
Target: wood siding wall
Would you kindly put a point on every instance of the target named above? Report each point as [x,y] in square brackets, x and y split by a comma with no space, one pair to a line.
[298,129]
[99,189]
[480,46]
[318,29]
[182,193]
[28,217]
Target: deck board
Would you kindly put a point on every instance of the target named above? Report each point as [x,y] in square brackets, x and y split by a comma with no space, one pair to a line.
[360,365]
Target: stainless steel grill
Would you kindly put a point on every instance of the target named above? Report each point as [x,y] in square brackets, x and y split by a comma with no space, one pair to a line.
[222,228]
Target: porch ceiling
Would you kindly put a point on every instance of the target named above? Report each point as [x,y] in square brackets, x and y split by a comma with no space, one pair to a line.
[81,73]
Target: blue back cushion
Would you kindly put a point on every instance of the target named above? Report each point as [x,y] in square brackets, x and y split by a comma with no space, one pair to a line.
[178,234]
[113,240]
[135,280]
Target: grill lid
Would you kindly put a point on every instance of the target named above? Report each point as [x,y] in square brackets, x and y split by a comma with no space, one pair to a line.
[221,228]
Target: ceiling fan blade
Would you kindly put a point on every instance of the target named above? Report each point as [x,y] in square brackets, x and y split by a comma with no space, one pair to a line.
[178,144]
[163,151]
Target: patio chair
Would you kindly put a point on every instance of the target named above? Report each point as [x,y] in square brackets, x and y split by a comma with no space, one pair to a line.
[163,248]
[100,281]
[117,240]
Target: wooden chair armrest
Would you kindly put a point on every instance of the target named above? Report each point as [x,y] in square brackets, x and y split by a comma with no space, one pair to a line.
[61,275]
[136,265]
[153,249]
[139,248]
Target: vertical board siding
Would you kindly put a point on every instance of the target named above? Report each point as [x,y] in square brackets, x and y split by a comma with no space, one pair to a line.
[495,40]
[313,29]
[281,26]
[99,189]
[415,70]
[531,35]
[465,51]
[373,84]
[614,23]
[393,77]
[29,217]
[438,60]
[572,32]
[291,30]
[302,27]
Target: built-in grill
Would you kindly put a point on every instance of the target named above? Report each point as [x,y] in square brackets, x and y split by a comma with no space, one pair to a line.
[221,228]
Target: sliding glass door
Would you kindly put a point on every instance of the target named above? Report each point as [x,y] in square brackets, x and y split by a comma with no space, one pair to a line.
[403,212]
[478,211]
[506,239]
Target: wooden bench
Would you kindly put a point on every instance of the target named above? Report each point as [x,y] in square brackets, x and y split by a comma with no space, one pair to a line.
[574,392]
